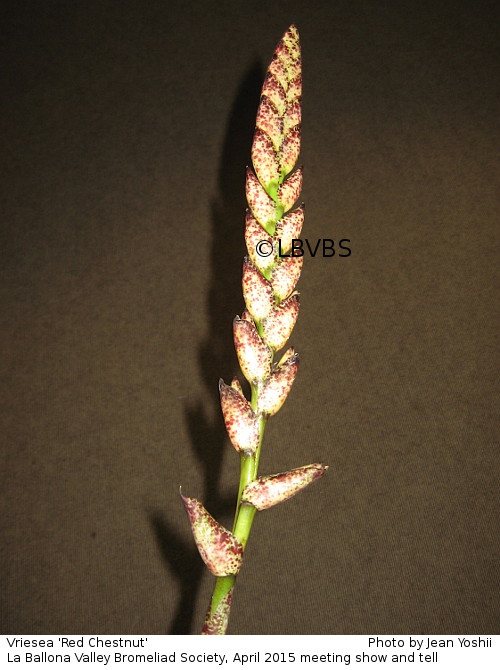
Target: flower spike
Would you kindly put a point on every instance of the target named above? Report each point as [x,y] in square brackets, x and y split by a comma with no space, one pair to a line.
[271,270]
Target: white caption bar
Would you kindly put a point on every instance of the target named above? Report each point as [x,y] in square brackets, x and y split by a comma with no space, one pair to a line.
[250,652]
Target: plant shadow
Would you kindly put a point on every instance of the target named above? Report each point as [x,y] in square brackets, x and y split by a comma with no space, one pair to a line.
[215,353]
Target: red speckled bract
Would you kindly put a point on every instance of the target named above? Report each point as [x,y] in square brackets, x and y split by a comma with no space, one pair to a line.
[221,551]
[285,276]
[273,91]
[257,291]
[295,89]
[289,228]
[289,191]
[216,622]
[264,158]
[235,384]
[292,117]
[278,325]
[259,244]
[277,386]
[241,423]
[291,40]
[254,356]
[278,72]
[262,205]
[290,150]
[268,491]
[270,121]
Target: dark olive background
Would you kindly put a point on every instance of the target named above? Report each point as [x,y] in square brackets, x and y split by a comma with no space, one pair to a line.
[126,127]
